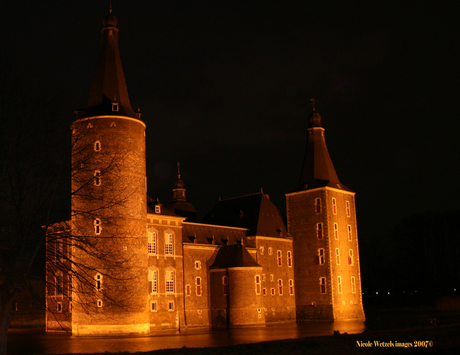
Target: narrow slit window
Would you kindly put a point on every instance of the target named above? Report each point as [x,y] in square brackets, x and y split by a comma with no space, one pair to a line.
[319,230]
[280,287]
[336,231]
[291,287]
[347,204]
[339,284]
[97,146]
[322,284]
[334,206]
[350,257]
[97,226]
[98,279]
[318,205]
[279,257]
[337,256]
[353,285]
[257,284]
[350,235]
[97,178]
[198,286]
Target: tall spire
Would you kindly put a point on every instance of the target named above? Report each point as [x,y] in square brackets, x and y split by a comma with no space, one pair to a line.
[109,94]
[180,204]
[318,170]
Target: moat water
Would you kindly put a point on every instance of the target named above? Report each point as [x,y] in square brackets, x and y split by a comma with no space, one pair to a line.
[36,341]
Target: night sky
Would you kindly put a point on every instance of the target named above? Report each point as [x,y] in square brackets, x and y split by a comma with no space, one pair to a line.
[225,88]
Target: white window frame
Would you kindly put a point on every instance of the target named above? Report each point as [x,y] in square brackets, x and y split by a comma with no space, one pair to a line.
[336,231]
[322,285]
[339,284]
[353,284]
[199,286]
[347,203]
[152,241]
[170,281]
[97,226]
[279,257]
[321,256]
[350,233]
[97,146]
[334,205]
[280,287]
[98,279]
[153,280]
[257,284]
[319,230]
[351,260]
[169,243]
[291,287]
[337,256]
[318,207]
[153,306]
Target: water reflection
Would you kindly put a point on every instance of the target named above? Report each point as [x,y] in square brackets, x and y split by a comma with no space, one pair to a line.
[35,341]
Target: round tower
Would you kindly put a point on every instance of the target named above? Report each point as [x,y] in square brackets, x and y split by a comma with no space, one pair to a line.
[110,259]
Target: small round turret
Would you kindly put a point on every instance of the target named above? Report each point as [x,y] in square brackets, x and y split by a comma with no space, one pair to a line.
[314,120]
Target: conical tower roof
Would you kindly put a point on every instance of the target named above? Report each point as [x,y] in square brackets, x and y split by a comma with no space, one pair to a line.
[318,170]
[109,94]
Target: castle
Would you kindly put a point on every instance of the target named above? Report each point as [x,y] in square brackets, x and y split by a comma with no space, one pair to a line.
[126,264]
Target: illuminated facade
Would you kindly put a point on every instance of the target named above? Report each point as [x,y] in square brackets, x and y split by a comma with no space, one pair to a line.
[129,265]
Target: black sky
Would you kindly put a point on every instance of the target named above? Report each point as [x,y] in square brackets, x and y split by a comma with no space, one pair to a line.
[224,87]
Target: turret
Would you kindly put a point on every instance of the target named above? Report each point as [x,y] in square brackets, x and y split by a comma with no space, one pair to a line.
[321,219]
[109,204]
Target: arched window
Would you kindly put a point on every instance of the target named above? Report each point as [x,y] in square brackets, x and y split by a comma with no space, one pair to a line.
[98,279]
[257,283]
[322,284]
[198,286]
[97,178]
[350,257]
[317,205]
[97,226]
[319,230]
[353,285]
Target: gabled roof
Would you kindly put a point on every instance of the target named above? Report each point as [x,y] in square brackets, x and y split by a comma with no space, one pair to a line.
[109,85]
[255,212]
[233,256]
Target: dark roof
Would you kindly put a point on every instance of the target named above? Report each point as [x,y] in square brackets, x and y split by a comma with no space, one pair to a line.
[255,212]
[210,234]
[318,170]
[151,203]
[233,256]
[109,85]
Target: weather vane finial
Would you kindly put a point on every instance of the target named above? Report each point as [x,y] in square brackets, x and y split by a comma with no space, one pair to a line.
[178,170]
[110,10]
[313,101]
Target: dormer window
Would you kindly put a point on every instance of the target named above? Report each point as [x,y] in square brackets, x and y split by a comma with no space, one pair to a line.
[115,106]
[157,209]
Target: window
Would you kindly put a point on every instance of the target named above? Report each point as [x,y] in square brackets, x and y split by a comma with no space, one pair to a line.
[59,307]
[336,231]
[350,236]
[114,106]
[97,146]
[350,257]
[257,282]
[188,290]
[198,286]
[224,285]
[97,226]
[273,291]
[97,178]
[153,306]
[353,285]
[169,244]
[169,281]
[263,277]
[99,303]
[261,250]
[348,208]
[339,284]
[291,287]
[321,256]
[270,252]
[337,256]
[153,281]
[59,283]
[334,206]
[157,209]
[318,205]
[289,259]
[264,291]
[98,279]
[319,230]
[280,287]
[322,284]
[272,277]
[280,259]
[197,264]
[171,306]
[152,244]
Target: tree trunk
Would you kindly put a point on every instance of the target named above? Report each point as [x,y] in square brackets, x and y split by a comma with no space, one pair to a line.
[5,320]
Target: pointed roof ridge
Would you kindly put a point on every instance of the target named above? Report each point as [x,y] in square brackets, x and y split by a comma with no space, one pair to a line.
[318,169]
[109,93]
